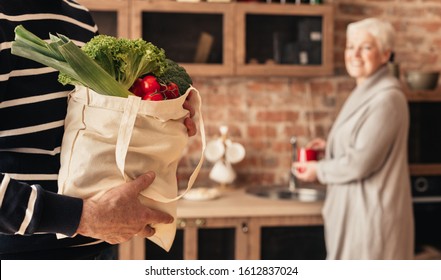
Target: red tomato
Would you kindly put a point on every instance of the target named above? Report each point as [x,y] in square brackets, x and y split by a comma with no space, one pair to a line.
[136,88]
[156,96]
[150,85]
[172,91]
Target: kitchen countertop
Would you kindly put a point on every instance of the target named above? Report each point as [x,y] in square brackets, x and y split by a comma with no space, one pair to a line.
[237,203]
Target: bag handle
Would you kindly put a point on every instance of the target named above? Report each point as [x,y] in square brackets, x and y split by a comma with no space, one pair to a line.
[195,172]
[125,133]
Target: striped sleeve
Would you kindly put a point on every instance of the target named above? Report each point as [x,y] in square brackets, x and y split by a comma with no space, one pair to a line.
[33,106]
[29,209]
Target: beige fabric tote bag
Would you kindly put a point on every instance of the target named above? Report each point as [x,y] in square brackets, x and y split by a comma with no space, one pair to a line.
[110,140]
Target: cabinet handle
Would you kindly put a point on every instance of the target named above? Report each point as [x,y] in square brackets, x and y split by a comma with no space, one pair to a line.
[199,222]
[182,223]
[245,228]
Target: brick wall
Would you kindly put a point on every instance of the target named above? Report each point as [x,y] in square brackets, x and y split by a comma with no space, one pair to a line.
[263,113]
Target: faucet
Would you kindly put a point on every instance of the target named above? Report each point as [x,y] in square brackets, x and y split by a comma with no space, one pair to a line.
[293,183]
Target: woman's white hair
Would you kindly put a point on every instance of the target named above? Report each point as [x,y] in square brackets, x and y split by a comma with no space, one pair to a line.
[381,30]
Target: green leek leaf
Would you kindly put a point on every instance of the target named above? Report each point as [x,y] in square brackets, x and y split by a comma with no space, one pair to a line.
[90,73]
[63,55]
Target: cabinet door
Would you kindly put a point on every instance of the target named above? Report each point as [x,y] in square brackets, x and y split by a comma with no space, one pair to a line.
[199,36]
[216,243]
[292,243]
[286,237]
[154,252]
[284,40]
[111,16]
[139,248]
[215,238]
[205,239]
[197,242]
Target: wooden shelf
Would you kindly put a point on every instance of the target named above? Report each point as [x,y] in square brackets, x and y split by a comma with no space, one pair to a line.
[422,95]
[425,169]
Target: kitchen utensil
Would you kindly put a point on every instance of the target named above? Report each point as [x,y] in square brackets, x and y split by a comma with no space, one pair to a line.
[422,80]
[214,150]
[222,172]
[293,183]
[234,153]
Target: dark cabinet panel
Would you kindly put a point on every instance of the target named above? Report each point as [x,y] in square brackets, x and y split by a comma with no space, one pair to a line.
[179,34]
[106,22]
[154,252]
[216,244]
[293,243]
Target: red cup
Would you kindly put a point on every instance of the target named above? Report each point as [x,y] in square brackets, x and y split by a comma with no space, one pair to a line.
[304,155]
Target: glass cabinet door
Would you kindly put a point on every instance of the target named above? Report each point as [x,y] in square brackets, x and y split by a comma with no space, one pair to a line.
[285,40]
[199,36]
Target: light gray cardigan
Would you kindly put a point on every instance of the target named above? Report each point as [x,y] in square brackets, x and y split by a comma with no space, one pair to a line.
[368,208]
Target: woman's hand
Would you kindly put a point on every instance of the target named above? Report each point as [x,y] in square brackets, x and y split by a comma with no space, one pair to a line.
[317,144]
[305,171]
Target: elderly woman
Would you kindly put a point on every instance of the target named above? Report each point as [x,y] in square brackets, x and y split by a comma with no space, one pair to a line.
[368,208]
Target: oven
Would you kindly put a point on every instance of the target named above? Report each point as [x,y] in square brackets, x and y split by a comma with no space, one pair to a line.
[425,165]
[426,193]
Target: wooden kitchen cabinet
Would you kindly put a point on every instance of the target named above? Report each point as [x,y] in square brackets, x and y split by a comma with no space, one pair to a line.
[199,36]
[111,16]
[241,239]
[284,40]
[220,238]
[226,39]
[194,240]
[240,226]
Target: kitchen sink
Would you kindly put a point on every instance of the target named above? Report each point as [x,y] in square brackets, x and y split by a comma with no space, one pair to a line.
[310,193]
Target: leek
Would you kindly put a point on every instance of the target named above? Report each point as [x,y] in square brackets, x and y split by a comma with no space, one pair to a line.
[63,55]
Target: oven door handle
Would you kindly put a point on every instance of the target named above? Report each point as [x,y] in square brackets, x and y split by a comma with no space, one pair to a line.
[426,199]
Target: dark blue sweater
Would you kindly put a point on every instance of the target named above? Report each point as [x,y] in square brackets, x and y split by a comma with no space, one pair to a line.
[32,109]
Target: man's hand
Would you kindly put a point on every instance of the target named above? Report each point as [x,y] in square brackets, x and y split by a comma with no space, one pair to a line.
[118,214]
[189,123]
